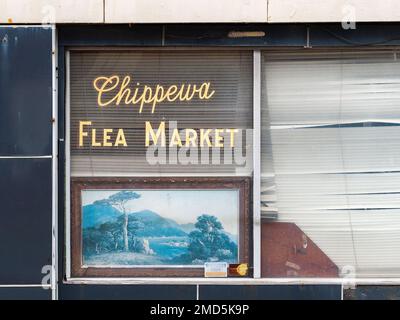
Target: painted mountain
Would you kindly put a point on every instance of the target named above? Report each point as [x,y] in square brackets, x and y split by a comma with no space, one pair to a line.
[152,239]
[94,215]
[153,224]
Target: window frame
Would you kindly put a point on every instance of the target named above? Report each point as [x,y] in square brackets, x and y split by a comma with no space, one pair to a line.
[254,212]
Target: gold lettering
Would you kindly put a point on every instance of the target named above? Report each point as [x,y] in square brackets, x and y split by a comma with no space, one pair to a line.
[124,91]
[232,136]
[114,90]
[203,92]
[170,92]
[218,138]
[155,136]
[113,81]
[120,139]
[158,97]
[204,136]
[106,137]
[186,95]
[191,137]
[81,132]
[175,139]
[143,98]
[133,99]
[94,142]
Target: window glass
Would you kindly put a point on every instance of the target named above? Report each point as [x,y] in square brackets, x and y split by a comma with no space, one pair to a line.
[331,163]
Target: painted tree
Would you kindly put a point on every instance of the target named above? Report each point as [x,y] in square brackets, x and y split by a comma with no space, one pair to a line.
[113,233]
[209,241]
[119,201]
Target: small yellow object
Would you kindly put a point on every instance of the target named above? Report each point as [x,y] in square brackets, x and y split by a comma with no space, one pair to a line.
[9,20]
[242,269]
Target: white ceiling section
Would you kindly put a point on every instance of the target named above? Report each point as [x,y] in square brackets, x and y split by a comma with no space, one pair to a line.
[194,11]
[331,153]
[288,11]
[51,11]
[171,11]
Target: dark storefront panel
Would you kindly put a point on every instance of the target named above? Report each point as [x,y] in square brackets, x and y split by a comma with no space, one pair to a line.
[25,160]
[128,292]
[25,91]
[26,293]
[270,292]
[276,35]
[372,293]
[25,220]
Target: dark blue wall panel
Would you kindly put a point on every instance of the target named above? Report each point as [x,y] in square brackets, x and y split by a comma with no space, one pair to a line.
[25,137]
[372,293]
[25,91]
[26,293]
[25,220]
[117,35]
[127,292]
[276,35]
[270,292]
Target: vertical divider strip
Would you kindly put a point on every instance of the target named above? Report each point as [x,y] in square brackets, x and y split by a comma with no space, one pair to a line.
[256,163]
[54,229]
[67,167]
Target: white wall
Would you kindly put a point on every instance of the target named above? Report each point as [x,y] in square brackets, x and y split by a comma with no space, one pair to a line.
[333,10]
[176,11]
[147,11]
[50,11]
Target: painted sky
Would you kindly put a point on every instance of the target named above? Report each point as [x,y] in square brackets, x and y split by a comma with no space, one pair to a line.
[183,206]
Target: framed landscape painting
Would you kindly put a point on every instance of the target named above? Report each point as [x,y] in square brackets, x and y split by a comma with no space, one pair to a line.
[131,227]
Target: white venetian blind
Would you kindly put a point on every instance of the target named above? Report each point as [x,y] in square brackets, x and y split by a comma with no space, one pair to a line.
[228,72]
[331,152]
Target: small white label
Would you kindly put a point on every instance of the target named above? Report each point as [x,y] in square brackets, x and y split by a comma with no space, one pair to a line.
[215,270]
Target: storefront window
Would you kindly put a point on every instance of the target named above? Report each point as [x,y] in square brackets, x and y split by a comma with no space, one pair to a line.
[160,161]
[330,164]
[161,158]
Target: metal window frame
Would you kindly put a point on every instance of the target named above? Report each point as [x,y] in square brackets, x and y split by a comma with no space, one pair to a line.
[257,163]
[67,183]
[54,256]
[256,280]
